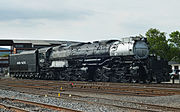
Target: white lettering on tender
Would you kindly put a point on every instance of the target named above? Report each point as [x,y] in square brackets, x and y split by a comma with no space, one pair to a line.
[21,62]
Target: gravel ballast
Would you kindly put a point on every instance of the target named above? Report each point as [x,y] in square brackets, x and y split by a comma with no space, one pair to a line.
[81,106]
[171,101]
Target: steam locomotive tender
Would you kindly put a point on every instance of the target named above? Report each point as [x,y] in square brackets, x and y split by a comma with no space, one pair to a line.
[124,60]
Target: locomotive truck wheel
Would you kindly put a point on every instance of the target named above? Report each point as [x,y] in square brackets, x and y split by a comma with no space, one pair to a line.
[43,75]
[14,75]
[120,76]
[114,79]
[98,75]
[49,75]
[18,76]
[101,75]
[46,76]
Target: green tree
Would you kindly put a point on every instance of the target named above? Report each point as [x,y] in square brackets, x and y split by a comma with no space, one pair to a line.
[175,39]
[5,55]
[158,43]
[174,42]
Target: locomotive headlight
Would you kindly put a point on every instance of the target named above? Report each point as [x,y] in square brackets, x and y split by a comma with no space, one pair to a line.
[141,50]
[113,49]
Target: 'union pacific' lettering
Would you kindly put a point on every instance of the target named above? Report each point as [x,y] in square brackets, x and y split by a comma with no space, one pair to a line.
[21,62]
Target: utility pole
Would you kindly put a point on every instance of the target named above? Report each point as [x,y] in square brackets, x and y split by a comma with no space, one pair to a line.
[179,77]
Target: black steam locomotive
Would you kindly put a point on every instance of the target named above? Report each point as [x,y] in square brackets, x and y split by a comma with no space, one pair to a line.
[125,60]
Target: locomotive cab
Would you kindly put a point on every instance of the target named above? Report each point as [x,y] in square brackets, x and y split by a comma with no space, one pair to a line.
[43,55]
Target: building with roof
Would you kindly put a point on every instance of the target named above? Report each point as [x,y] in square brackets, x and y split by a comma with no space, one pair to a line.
[175,67]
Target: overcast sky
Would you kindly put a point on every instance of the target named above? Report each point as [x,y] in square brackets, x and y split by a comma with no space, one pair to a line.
[86,20]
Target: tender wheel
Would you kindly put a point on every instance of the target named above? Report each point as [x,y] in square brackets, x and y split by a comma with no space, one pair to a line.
[119,76]
[52,75]
[64,75]
[49,75]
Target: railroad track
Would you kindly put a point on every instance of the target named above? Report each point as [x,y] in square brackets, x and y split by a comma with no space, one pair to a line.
[11,108]
[27,106]
[52,88]
[97,101]
[109,84]
[126,89]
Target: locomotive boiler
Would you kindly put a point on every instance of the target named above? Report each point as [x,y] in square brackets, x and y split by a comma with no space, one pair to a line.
[124,60]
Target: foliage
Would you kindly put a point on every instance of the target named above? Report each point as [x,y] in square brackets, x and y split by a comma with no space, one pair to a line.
[175,45]
[5,55]
[158,43]
[175,38]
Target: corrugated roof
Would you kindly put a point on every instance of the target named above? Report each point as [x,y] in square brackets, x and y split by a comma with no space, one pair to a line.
[4,42]
[25,52]
[42,42]
[35,42]
[21,41]
[172,62]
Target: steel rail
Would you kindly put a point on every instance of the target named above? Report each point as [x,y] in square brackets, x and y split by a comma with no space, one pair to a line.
[39,105]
